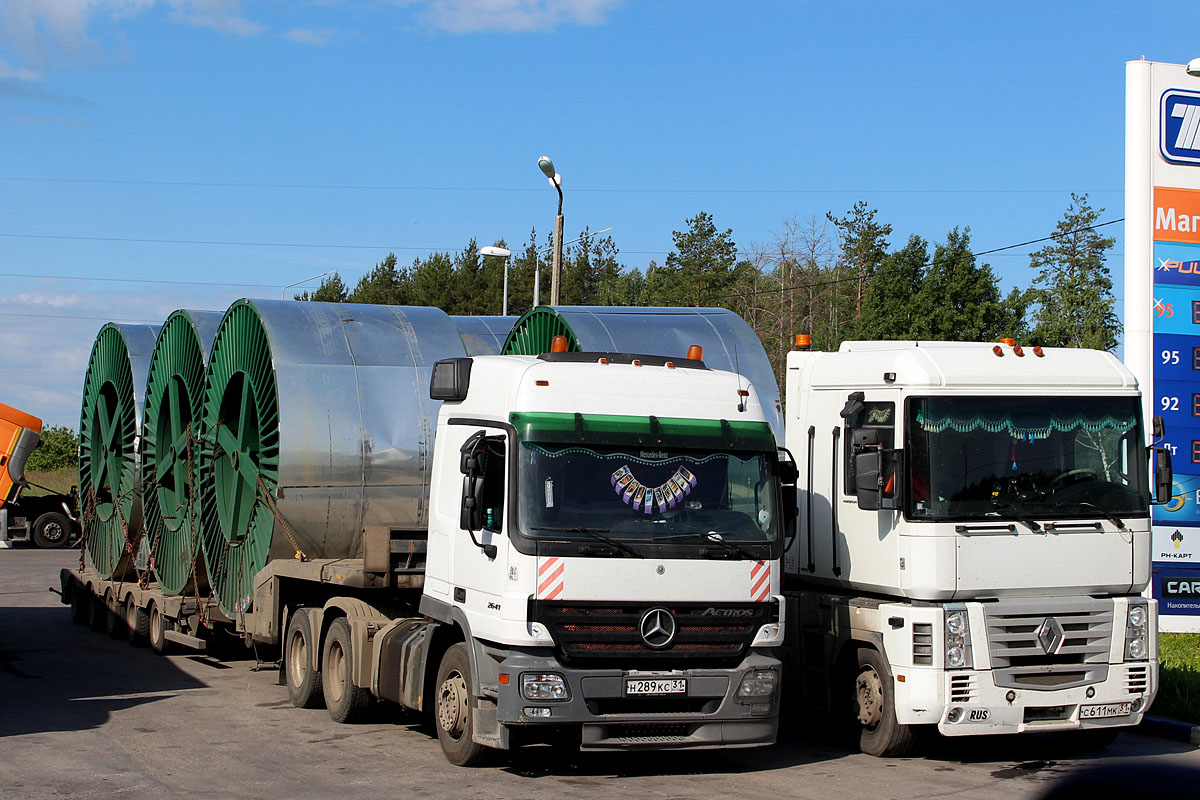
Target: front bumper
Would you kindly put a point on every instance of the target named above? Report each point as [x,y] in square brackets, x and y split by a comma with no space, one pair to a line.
[978,706]
[709,715]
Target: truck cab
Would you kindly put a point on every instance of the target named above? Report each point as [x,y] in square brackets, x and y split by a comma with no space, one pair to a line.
[974,535]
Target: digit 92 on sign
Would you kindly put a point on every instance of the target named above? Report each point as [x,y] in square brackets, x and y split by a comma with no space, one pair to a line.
[1169,403]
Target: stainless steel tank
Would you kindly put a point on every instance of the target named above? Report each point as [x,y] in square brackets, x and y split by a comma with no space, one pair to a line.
[322,411]
[483,336]
[728,341]
[114,391]
[171,448]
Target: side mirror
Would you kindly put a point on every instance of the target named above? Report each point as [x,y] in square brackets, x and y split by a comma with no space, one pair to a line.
[789,473]
[470,455]
[1163,475]
[1158,428]
[470,513]
[868,479]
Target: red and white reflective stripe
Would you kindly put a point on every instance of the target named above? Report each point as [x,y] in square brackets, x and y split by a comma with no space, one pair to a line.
[760,581]
[550,578]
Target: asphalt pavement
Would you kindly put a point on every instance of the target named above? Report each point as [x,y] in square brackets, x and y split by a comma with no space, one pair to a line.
[86,716]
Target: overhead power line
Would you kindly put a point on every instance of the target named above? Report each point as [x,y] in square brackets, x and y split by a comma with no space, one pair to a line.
[530,189]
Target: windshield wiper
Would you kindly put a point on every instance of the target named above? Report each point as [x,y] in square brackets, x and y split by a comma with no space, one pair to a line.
[715,538]
[1108,515]
[1018,515]
[598,534]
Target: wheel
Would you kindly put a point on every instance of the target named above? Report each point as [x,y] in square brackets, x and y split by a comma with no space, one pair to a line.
[345,701]
[80,597]
[157,631]
[96,612]
[875,697]
[303,682]
[454,710]
[114,620]
[51,530]
[137,623]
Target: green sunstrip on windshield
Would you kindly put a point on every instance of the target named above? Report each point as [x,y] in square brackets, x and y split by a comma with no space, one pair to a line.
[1023,429]
[556,427]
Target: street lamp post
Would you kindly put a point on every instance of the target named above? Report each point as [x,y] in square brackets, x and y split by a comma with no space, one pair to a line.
[547,168]
[306,280]
[537,262]
[499,252]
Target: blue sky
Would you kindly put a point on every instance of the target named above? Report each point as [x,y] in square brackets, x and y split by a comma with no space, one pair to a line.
[414,125]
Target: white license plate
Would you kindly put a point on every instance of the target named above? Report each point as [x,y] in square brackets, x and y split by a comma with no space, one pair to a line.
[1107,710]
[656,686]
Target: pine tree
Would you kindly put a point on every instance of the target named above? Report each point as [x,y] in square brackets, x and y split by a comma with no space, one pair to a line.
[960,300]
[331,290]
[383,285]
[700,271]
[1072,294]
[890,309]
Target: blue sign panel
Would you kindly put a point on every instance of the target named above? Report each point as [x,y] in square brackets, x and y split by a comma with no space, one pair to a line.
[1183,510]
[1177,588]
[1180,124]
[1177,263]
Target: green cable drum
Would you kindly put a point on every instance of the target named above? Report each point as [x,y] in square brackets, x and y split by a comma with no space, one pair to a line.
[170,449]
[728,342]
[109,486]
[317,436]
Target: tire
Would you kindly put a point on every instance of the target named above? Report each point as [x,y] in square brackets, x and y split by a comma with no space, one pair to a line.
[80,597]
[875,704]
[156,631]
[114,620]
[51,530]
[454,710]
[137,622]
[303,682]
[346,702]
[96,612]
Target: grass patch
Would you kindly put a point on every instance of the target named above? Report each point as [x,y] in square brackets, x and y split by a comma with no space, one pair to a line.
[59,480]
[1179,677]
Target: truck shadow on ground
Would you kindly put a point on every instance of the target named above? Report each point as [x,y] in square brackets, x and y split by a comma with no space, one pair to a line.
[56,676]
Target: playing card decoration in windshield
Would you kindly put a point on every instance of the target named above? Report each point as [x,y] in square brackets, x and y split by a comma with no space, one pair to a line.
[644,498]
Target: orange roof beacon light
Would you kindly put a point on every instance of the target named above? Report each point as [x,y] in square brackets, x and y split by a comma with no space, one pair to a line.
[559,345]
[803,341]
[1009,341]
[696,352]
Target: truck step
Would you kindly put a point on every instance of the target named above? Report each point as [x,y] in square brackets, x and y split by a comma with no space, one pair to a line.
[187,641]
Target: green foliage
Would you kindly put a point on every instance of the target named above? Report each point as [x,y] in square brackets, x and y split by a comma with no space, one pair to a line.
[864,247]
[331,290]
[1179,677]
[57,449]
[1072,294]
[700,271]
[889,310]
[959,300]
[384,285]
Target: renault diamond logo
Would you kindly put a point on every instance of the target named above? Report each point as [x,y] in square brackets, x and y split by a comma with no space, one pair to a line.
[657,628]
[1050,635]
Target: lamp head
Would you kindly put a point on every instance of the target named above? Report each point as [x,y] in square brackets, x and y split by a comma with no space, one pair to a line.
[546,166]
[1193,68]
[499,252]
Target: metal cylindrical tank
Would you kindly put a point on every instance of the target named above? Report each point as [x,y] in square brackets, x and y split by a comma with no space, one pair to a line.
[114,390]
[729,343]
[171,448]
[483,336]
[321,410]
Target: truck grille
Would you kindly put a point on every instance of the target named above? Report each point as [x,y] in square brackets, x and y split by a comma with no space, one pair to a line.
[711,634]
[1049,644]
[922,643]
[1139,679]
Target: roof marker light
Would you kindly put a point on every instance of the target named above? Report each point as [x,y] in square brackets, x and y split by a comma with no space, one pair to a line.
[542,383]
[695,352]
[743,393]
[998,350]
[1020,353]
[1037,351]
[603,360]
[637,363]
[670,365]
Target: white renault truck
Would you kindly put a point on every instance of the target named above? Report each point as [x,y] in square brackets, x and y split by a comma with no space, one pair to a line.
[972,542]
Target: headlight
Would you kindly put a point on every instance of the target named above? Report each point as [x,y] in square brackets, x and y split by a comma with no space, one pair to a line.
[1137,616]
[1136,649]
[958,638]
[544,686]
[757,684]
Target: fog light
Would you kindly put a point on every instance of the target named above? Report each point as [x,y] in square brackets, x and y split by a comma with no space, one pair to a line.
[757,683]
[954,715]
[1136,648]
[544,686]
[536,711]
[1138,702]
[955,656]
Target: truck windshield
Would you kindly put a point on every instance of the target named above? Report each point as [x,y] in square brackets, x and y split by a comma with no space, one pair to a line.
[642,494]
[1025,457]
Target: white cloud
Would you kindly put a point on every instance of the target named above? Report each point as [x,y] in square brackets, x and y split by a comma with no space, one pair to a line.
[17,73]
[30,299]
[313,36]
[223,16]
[473,16]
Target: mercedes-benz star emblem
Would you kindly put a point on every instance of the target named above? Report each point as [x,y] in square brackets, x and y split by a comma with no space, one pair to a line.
[1050,635]
[657,628]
